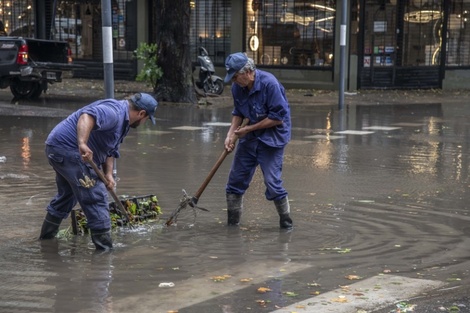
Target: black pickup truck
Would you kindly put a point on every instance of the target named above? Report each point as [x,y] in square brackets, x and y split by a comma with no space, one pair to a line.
[28,65]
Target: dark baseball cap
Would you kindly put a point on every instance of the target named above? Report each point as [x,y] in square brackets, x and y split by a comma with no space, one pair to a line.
[146,102]
[234,63]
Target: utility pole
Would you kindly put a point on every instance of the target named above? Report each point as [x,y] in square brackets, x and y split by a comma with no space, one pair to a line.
[108,67]
[342,52]
[107,32]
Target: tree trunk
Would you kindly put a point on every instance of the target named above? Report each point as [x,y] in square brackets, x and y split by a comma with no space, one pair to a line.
[172,20]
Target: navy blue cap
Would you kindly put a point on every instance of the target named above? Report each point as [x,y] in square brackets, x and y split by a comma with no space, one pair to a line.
[234,63]
[146,102]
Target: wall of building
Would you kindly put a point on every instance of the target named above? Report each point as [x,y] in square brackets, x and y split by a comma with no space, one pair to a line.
[456,79]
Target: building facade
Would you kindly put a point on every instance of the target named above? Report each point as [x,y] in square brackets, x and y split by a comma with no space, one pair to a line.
[389,43]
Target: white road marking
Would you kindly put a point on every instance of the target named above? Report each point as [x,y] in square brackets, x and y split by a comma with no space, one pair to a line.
[354,132]
[381,128]
[200,289]
[329,137]
[373,293]
[409,124]
[217,124]
[187,128]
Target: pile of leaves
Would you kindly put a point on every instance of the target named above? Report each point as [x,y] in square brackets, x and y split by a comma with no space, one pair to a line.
[139,209]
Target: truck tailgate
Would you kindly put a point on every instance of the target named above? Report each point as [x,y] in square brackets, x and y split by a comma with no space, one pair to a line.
[47,51]
[8,52]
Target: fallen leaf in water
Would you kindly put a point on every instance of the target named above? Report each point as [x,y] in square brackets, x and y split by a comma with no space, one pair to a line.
[263,289]
[352,277]
[220,278]
[291,294]
[245,280]
[262,303]
[403,307]
[453,279]
[313,284]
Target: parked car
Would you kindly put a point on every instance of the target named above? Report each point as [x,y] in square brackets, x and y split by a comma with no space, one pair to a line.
[28,65]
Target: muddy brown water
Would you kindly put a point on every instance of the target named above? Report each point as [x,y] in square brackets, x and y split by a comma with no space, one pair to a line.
[392,200]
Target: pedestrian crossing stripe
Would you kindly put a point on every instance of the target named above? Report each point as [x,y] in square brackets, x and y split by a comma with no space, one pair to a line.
[373,293]
[386,128]
[199,289]
[354,132]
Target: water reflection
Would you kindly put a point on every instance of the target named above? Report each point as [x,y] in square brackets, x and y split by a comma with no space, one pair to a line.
[26,152]
[392,198]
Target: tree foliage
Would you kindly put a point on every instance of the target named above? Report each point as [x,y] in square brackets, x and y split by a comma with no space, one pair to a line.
[150,72]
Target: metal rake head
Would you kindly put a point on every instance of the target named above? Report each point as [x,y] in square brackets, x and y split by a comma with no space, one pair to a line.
[184,202]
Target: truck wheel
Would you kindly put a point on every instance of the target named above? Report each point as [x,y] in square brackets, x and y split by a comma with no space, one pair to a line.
[21,89]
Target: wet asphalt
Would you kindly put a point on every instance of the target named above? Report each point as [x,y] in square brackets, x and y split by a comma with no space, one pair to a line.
[376,189]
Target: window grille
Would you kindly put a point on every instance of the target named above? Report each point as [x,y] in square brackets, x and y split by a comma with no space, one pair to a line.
[291,32]
[210,28]
[458,34]
[17,17]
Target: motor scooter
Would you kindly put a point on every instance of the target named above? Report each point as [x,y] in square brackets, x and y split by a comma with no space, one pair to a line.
[208,82]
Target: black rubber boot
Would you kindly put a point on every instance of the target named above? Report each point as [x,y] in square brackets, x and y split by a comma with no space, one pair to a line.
[50,226]
[102,239]
[283,209]
[234,208]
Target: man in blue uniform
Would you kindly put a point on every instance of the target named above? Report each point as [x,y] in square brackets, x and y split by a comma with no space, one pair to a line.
[260,97]
[93,133]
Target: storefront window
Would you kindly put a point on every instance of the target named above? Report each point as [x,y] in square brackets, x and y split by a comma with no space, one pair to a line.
[67,26]
[422,29]
[79,22]
[290,32]
[411,33]
[17,17]
[210,28]
[458,34]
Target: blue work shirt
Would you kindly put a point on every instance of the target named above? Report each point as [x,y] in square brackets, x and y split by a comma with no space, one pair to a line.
[266,99]
[111,126]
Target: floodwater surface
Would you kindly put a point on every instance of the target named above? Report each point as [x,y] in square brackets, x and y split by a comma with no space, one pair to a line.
[372,189]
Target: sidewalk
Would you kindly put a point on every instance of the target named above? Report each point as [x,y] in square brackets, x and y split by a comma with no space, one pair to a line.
[94,89]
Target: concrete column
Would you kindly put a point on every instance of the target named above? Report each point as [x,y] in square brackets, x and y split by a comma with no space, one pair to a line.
[236,40]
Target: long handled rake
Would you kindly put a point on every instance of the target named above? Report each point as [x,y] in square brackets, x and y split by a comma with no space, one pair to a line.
[192,201]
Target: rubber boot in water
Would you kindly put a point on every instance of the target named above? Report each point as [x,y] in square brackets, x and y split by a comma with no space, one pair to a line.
[50,226]
[283,209]
[234,208]
[102,239]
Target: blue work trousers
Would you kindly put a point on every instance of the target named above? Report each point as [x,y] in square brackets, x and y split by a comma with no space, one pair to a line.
[247,157]
[69,168]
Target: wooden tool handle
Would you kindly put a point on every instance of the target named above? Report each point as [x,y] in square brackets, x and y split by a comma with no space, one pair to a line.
[216,166]
[113,194]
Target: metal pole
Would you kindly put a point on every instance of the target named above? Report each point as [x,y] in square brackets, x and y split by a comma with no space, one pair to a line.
[108,68]
[342,52]
[107,32]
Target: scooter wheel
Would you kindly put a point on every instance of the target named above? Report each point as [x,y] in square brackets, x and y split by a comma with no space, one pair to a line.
[216,87]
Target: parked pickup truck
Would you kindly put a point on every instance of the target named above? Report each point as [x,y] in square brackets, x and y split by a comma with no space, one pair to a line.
[28,65]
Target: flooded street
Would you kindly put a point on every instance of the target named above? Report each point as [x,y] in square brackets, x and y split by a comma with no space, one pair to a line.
[374,190]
